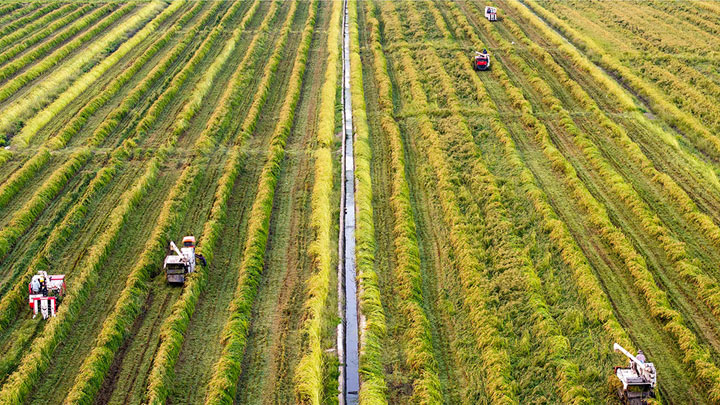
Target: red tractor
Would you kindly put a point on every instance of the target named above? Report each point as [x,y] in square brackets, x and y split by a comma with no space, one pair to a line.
[481,60]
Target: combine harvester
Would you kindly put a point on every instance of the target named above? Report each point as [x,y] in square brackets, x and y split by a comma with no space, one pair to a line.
[481,60]
[639,378]
[491,13]
[45,293]
[177,266]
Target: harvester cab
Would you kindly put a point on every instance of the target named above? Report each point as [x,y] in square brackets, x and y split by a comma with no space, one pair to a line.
[45,293]
[638,379]
[481,60]
[491,13]
[183,262]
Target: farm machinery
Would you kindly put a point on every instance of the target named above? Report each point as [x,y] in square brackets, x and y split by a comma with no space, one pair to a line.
[491,13]
[183,262]
[639,378]
[481,60]
[45,293]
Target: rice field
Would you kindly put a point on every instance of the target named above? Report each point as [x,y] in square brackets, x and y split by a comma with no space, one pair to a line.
[510,224]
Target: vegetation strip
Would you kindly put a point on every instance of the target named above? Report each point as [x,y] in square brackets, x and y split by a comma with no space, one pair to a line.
[14,184]
[83,82]
[69,73]
[222,386]
[16,64]
[52,28]
[597,216]
[24,217]
[312,370]
[50,61]
[33,208]
[58,10]
[373,329]
[704,139]
[13,300]
[15,10]
[172,334]
[173,330]
[22,18]
[128,306]
[19,178]
[503,248]
[420,356]
[21,381]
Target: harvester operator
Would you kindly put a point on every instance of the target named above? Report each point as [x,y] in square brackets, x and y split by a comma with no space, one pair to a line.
[35,285]
[43,286]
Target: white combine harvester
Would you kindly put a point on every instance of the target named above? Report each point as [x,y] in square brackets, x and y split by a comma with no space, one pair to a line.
[639,378]
[491,13]
[45,293]
[177,266]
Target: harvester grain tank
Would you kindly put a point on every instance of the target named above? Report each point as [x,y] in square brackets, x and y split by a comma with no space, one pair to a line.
[183,262]
[45,293]
[491,13]
[481,60]
[638,379]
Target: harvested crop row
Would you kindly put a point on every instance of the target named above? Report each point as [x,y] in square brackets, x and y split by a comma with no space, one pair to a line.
[15,65]
[420,356]
[55,57]
[506,257]
[690,126]
[222,386]
[172,332]
[681,187]
[312,370]
[558,232]
[498,380]
[52,28]
[11,302]
[504,249]
[674,249]
[30,168]
[597,215]
[45,14]
[71,72]
[32,126]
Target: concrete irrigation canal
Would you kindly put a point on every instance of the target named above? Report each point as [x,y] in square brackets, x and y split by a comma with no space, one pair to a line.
[348,332]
